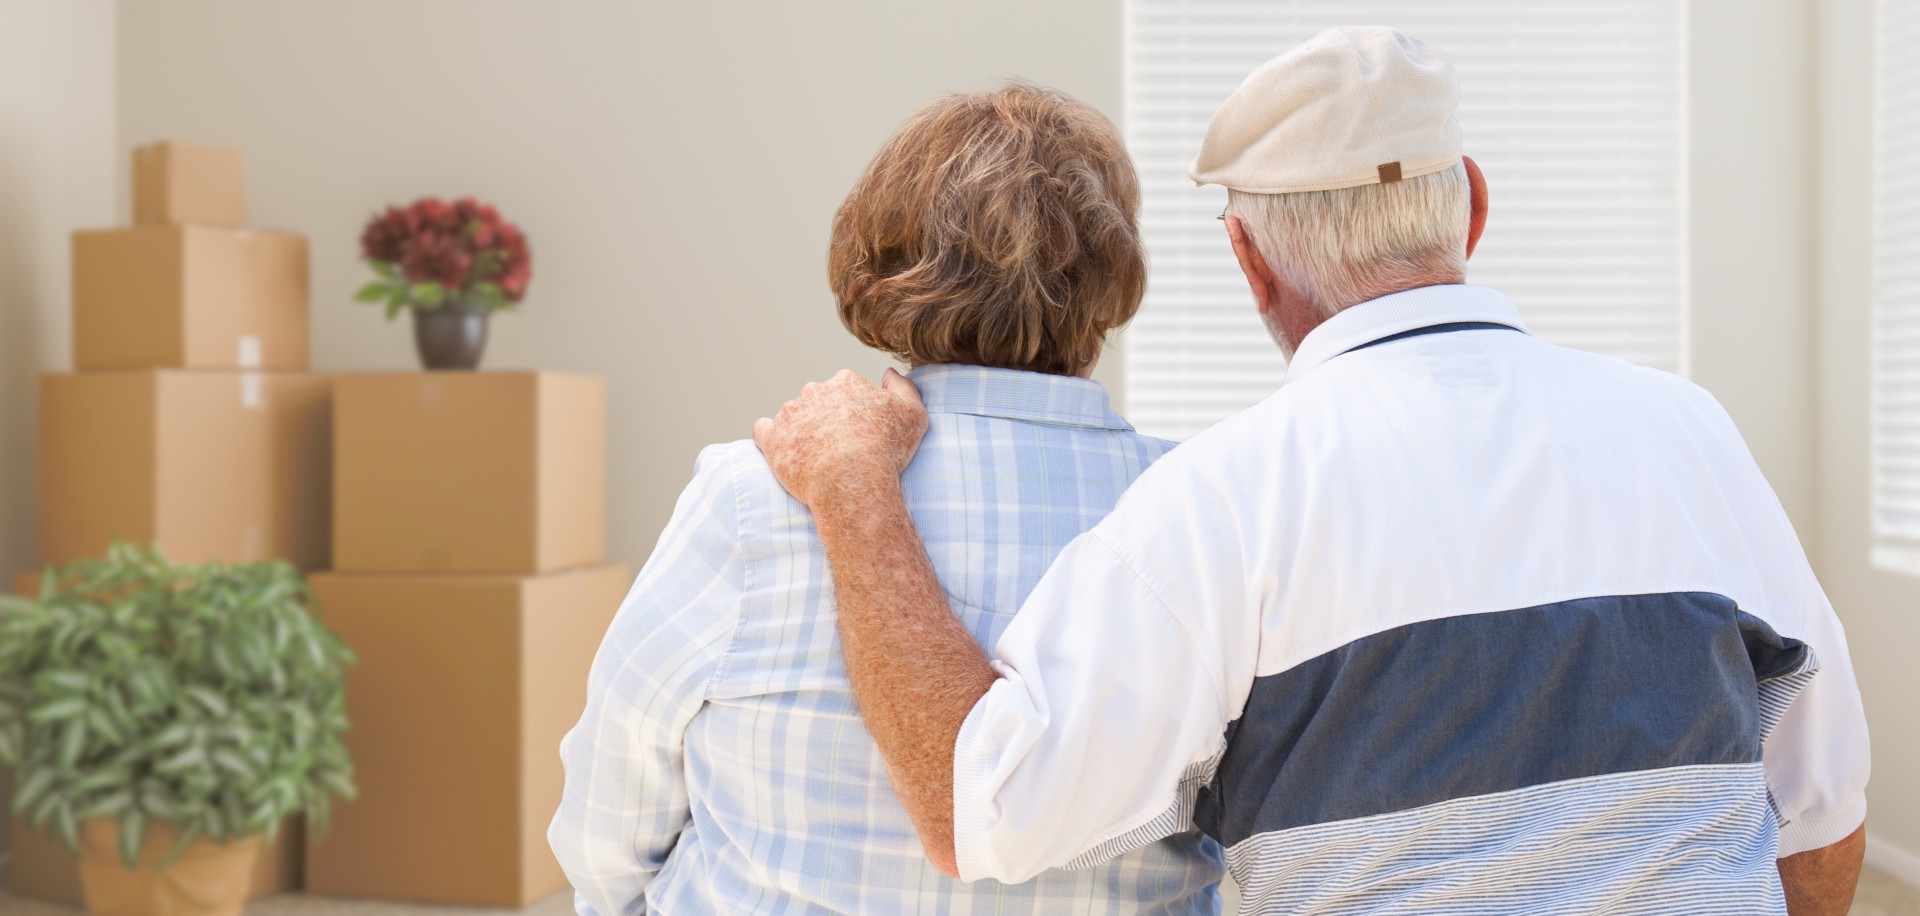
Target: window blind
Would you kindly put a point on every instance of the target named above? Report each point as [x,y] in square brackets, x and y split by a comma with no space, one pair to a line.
[1896,287]
[1573,108]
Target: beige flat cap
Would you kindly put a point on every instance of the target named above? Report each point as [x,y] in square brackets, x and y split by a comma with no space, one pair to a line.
[1351,106]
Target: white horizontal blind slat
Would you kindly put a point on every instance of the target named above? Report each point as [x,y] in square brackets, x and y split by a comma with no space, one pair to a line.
[1896,280]
[1572,107]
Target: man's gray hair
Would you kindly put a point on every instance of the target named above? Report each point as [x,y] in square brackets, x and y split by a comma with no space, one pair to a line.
[1341,248]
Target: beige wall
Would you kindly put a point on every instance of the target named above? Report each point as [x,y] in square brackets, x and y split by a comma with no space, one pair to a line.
[1881,608]
[56,150]
[1749,240]
[57,173]
[676,166]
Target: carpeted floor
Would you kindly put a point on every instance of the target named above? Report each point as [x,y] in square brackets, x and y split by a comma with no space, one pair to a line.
[1880,895]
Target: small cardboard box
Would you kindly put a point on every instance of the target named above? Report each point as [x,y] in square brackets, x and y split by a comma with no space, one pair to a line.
[189,297]
[229,466]
[468,472]
[186,183]
[42,869]
[462,692]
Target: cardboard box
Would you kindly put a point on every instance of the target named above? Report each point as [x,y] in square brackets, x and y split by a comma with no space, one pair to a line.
[468,472]
[189,297]
[42,869]
[228,466]
[464,687]
[185,183]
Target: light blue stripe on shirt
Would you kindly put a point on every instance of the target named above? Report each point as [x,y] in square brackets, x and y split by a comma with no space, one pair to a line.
[721,765]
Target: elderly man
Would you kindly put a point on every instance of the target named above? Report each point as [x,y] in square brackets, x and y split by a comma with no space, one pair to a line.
[1455,621]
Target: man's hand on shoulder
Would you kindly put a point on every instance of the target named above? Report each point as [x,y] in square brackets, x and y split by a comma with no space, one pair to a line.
[842,437]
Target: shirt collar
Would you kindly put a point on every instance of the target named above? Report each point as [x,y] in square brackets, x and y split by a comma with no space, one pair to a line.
[1395,313]
[1009,393]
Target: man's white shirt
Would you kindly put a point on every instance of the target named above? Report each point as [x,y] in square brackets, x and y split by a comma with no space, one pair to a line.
[1455,621]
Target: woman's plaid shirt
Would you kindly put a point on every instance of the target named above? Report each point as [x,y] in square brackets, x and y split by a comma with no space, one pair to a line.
[721,765]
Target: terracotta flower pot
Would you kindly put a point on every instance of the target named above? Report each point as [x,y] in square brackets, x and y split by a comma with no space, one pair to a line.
[449,337]
[209,879]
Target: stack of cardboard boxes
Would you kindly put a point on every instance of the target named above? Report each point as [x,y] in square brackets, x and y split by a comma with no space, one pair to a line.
[467,537]
[469,577]
[190,420]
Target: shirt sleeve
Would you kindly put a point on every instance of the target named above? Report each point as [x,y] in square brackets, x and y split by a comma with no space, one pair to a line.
[1814,743]
[1817,757]
[625,801]
[1106,719]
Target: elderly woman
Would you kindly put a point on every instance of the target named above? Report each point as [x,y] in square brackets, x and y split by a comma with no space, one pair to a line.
[721,765]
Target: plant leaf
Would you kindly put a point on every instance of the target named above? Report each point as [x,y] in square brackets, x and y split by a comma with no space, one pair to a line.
[37,781]
[59,710]
[373,291]
[73,742]
[385,269]
[64,827]
[233,763]
[102,724]
[172,736]
[187,759]
[188,834]
[339,784]
[133,835]
[43,812]
[64,680]
[110,805]
[155,801]
[101,778]
[490,295]
[211,701]
[428,293]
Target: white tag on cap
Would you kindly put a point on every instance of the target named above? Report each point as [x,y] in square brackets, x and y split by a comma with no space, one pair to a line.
[253,390]
[249,351]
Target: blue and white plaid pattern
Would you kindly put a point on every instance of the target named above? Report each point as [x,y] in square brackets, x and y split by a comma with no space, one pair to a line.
[721,766]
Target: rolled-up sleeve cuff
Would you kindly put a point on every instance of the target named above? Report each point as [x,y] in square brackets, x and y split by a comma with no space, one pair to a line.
[971,761]
[1804,833]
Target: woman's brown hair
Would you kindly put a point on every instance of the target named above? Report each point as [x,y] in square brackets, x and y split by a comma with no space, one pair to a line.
[994,228]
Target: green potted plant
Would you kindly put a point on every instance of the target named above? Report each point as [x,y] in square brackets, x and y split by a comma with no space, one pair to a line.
[452,265]
[162,720]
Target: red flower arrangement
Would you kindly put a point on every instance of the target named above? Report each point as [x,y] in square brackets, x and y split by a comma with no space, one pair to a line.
[432,253]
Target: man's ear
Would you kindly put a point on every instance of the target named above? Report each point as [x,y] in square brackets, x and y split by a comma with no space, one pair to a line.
[1260,277]
[1477,196]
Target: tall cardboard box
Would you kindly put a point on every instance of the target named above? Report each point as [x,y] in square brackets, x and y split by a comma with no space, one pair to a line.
[468,472]
[228,466]
[189,297]
[186,183]
[41,869]
[464,687]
